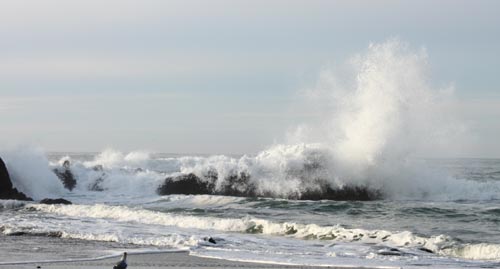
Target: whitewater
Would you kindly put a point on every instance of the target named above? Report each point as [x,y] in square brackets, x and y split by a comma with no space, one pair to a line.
[359,186]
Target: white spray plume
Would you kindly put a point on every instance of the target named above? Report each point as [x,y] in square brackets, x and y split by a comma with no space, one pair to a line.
[30,173]
[381,105]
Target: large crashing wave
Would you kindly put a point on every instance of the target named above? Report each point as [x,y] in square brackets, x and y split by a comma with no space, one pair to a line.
[374,118]
[293,172]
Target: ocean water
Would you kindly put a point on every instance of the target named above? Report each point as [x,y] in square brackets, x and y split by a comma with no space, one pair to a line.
[374,119]
[456,230]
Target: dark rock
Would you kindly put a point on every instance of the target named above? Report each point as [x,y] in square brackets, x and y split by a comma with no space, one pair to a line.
[238,185]
[390,253]
[241,185]
[210,240]
[66,176]
[96,186]
[5,183]
[345,193]
[49,201]
[18,233]
[425,250]
[98,168]
[185,184]
[7,190]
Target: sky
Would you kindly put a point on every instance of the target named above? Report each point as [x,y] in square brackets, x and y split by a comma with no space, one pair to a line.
[219,76]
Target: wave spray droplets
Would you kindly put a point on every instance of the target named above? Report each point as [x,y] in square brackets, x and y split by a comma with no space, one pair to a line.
[386,110]
[379,113]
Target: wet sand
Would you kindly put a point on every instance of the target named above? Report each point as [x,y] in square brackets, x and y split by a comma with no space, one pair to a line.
[171,260]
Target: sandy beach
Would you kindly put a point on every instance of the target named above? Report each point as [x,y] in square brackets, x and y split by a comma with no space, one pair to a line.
[151,260]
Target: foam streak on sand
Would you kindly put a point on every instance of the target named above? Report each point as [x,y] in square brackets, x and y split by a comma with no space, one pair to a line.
[106,257]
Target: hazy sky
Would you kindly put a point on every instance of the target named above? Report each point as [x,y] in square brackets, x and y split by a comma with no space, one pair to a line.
[219,76]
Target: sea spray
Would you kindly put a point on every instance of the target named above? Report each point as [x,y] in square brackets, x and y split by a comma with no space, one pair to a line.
[379,115]
[30,172]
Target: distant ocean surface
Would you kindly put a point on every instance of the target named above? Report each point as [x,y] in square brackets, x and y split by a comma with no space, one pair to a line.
[443,213]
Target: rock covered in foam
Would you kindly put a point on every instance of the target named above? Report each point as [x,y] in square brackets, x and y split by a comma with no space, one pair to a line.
[66,176]
[240,185]
[185,184]
[7,190]
[345,193]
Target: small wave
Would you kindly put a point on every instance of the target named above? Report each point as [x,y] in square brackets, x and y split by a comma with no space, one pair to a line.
[117,254]
[475,251]
[9,230]
[493,211]
[11,204]
[175,241]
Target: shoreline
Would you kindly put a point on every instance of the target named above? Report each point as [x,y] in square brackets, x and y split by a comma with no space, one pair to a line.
[175,259]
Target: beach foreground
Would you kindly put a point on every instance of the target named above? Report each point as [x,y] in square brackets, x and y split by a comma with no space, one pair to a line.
[152,260]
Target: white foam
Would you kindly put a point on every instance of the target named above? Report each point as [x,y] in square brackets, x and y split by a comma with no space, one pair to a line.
[30,173]
[175,241]
[111,158]
[441,244]
[480,251]
[11,204]
[114,255]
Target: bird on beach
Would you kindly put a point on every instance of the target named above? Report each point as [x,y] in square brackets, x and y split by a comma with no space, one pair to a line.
[122,264]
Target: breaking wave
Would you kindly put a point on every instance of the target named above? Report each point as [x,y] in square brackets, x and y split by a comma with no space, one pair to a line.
[440,244]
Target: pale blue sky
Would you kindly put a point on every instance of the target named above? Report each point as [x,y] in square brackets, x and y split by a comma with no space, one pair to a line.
[219,76]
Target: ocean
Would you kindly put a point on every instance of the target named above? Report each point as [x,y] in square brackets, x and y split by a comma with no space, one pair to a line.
[440,213]
[354,184]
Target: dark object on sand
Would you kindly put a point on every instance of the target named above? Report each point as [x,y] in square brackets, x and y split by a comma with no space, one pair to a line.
[49,201]
[122,264]
[239,184]
[66,176]
[7,190]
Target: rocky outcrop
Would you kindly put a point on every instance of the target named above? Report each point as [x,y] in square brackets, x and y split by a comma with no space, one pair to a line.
[7,190]
[185,184]
[66,176]
[49,201]
[241,185]
[346,193]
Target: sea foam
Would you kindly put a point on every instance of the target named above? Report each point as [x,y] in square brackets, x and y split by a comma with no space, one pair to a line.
[440,244]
